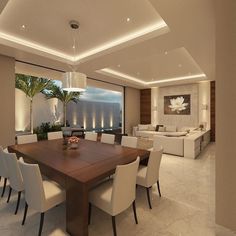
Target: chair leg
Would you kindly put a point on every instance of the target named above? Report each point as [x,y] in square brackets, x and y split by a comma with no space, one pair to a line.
[158,187]
[114,225]
[25,213]
[9,194]
[135,214]
[18,202]
[41,224]
[149,200]
[4,187]
[89,215]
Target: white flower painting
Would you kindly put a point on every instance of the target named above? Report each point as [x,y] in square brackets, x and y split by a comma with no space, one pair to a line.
[178,105]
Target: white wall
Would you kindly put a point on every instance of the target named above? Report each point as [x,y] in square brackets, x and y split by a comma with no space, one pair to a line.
[200,94]
[132,109]
[94,114]
[43,110]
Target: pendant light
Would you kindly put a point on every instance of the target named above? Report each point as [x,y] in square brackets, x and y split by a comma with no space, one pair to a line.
[74,81]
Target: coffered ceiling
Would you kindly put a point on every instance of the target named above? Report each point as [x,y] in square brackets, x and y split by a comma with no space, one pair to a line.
[129,42]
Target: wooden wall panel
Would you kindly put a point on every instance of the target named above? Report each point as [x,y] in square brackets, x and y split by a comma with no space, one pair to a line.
[145,106]
[213,111]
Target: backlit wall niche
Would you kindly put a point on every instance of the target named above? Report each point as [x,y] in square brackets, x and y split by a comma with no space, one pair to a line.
[94,115]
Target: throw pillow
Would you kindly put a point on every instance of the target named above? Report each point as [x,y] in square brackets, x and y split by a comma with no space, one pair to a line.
[157,127]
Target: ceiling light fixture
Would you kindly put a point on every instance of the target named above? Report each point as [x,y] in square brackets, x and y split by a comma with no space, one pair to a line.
[128,19]
[74,81]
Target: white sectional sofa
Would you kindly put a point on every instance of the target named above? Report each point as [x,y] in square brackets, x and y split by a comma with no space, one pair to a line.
[171,145]
[148,131]
[183,141]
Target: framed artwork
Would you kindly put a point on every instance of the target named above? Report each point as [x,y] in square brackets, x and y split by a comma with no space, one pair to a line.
[177,105]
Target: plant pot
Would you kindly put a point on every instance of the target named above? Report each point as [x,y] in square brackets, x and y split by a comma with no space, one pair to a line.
[74,145]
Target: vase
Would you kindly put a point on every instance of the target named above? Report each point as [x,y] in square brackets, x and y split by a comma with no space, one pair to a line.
[74,145]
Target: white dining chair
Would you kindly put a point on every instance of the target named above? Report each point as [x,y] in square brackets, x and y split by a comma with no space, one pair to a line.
[108,138]
[156,144]
[55,135]
[15,177]
[116,195]
[29,138]
[149,175]
[128,141]
[92,136]
[39,195]
[3,170]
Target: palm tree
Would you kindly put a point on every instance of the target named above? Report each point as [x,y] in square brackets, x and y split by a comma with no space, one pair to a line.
[54,91]
[31,86]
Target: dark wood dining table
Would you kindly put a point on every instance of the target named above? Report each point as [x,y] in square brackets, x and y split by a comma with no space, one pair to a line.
[77,170]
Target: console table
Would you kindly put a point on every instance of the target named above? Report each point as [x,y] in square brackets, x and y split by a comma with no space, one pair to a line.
[195,143]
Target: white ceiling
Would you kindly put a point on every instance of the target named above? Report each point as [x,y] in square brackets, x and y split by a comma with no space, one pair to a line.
[164,41]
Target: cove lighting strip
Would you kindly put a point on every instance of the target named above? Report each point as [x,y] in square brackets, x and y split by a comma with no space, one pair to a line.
[147,30]
[29,44]
[120,75]
[117,42]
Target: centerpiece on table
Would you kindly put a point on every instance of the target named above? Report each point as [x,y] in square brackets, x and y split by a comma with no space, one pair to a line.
[73,142]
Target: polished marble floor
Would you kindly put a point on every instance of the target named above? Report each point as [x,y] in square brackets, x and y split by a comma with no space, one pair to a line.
[186,207]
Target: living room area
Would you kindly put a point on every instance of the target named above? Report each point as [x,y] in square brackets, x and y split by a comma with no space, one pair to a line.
[181,117]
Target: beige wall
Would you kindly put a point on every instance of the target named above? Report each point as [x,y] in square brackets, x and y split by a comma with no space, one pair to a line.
[132,109]
[200,94]
[7,101]
[226,113]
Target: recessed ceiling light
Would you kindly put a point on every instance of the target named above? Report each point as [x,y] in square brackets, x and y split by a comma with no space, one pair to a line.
[73,46]
[128,19]
[180,65]
[23,27]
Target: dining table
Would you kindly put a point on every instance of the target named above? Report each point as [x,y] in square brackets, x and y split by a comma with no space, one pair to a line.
[77,171]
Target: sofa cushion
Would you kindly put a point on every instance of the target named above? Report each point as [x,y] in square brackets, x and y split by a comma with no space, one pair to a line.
[187,129]
[151,128]
[175,134]
[162,129]
[143,127]
[170,128]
